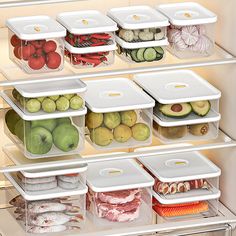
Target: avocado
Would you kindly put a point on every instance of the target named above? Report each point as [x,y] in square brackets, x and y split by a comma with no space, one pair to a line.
[201,108]
[176,110]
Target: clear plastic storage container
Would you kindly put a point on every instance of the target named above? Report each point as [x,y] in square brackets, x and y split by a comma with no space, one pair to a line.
[39,138]
[49,201]
[48,100]
[119,194]
[142,34]
[187,108]
[186,180]
[120,114]
[90,38]
[36,43]
[192,30]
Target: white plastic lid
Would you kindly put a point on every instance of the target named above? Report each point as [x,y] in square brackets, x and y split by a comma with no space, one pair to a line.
[117,175]
[187,13]
[177,86]
[36,27]
[51,88]
[180,167]
[86,22]
[116,94]
[138,17]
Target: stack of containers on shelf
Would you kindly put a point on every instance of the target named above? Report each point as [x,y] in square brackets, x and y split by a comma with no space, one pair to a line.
[90,38]
[185,184]
[120,114]
[50,200]
[119,194]
[46,119]
[187,108]
[192,29]
[36,43]
[142,33]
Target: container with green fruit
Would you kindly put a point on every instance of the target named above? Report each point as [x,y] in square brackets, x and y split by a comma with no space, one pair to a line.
[120,114]
[40,138]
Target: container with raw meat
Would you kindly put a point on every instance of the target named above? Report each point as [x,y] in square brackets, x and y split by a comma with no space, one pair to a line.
[187,107]
[49,200]
[120,114]
[90,38]
[36,43]
[119,194]
[192,30]
[142,33]
[185,183]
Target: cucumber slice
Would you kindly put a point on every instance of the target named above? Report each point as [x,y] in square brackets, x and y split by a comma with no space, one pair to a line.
[159,57]
[133,55]
[150,54]
[140,54]
[159,50]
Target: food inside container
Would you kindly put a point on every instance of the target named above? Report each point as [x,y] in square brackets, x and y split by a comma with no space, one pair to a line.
[46,137]
[119,194]
[120,114]
[192,29]
[36,43]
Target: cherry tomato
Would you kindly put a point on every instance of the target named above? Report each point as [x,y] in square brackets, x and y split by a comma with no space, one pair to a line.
[15,41]
[26,51]
[50,46]
[36,62]
[40,52]
[16,52]
[53,60]
[38,43]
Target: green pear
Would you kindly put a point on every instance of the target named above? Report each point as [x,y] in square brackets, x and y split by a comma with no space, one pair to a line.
[122,133]
[112,119]
[11,119]
[101,136]
[140,132]
[49,124]
[128,118]
[93,120]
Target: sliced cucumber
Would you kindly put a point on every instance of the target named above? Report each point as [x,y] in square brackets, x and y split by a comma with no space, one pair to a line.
[150,54]
[140,54]
[159,50]
[159,57]
[133,55]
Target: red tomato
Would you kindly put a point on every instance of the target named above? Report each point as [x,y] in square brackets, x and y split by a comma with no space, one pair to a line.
[36,62]
[53,60]
[40,52]
[50,46]
[16,52]
[15,41]
[38,43]
[26,51]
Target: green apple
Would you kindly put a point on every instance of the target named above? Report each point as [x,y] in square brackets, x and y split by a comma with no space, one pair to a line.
[41,99]
[48,105]
[54,98]
[66,137]
[76,102]
[62,104]
[33,105]
[66,120]
[49,124]
[11,119]
[22,128]
[39,141]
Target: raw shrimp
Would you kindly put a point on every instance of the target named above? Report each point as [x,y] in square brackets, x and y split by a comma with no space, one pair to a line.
[50,229]
[53,218]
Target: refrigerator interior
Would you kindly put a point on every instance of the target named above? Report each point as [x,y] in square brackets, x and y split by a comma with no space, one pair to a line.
[219,70]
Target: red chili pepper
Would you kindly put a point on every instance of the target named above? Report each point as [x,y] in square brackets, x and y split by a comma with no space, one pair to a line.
[97,44]
[103,59]
[93,56]
[100,36]
[103,53]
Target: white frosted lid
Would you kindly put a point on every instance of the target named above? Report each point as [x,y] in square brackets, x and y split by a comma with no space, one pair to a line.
[187,13]
[35,27]
[138,17]
[44,89]
[117,175]
[177,86]
[180,166]
[86,22]
[116,94]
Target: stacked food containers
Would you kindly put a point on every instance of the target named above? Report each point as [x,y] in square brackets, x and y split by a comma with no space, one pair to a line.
[120,114]
[119,194]
[142,33]
[36,43]
[192,29]
[50,200]
[45,121]
[188,106]
[90,38]
[185,184]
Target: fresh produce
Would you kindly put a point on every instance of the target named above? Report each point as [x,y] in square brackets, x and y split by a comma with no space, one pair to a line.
[66,120]
[102,136]
[49,124]
[19,129]
[93,120]
[112,119]
[11,118]
[201,108]
[122,133]
[53,60]
[174,132]
[140,132]
[128,118]
[50,104]
[199,129]
[49,46]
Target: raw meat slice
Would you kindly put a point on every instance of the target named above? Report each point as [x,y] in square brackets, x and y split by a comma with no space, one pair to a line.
[40,180]
[69,179]
[67,185]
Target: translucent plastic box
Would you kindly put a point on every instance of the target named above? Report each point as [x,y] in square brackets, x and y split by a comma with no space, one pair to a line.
[119,194]
[120,114]
[49,201]
[39,138]
[36,43]
[192,30]
[187,180]
[187,106]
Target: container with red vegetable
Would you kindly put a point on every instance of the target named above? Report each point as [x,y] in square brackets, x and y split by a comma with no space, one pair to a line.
[36,43]
[90,40]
